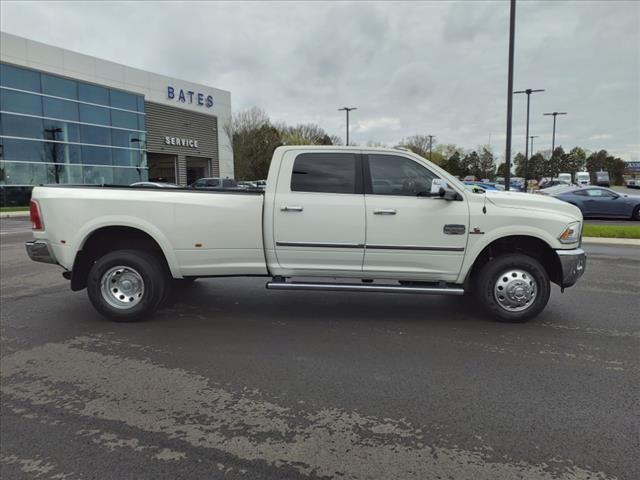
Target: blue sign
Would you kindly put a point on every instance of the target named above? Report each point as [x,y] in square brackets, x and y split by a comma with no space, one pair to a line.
[633,166]
[188,96]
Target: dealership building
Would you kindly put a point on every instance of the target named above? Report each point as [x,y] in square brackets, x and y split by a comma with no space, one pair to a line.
[66,117]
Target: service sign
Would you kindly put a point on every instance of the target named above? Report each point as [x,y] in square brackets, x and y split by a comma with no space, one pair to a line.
[189,96]
[181,142]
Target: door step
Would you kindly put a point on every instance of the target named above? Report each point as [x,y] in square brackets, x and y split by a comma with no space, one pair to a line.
[358,287]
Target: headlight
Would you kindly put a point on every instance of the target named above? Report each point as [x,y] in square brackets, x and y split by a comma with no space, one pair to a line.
[571,234]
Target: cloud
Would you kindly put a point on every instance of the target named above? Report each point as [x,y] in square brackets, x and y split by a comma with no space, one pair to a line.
[410,67]
[379,123]
[600,136]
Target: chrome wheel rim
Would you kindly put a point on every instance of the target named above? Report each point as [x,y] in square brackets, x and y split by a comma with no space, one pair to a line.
[515,290]
[122,287]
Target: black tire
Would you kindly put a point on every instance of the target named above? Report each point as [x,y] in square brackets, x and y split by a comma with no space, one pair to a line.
[489,279]
[149,267]
[636,213]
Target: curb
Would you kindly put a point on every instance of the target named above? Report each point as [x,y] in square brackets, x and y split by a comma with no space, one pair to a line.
[611,241]
[14,214]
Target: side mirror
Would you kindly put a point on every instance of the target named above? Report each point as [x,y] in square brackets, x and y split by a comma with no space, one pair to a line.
[449,193]
[440,188]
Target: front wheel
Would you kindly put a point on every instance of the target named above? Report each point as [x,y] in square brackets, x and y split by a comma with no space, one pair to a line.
[636,213]
[126,285]
[513,288]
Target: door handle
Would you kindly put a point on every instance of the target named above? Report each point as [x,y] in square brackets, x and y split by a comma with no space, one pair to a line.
[287,208]
[388,211]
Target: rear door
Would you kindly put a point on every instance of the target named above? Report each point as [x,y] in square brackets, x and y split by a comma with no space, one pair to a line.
[411,234]
[319,218]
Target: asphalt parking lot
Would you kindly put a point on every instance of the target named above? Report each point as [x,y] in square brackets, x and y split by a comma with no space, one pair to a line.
[232,381]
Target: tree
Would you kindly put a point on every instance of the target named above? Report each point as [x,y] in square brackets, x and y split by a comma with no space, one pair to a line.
[502,170]
[454,165]
[576,160]
[253,140]
[307,134]
[536,166]
[418,144]
[557,163]
[518,161]
[602,161]
[376,144]
[471,165]
[487,165]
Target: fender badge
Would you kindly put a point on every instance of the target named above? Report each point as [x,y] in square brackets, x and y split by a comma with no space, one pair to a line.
[476,231]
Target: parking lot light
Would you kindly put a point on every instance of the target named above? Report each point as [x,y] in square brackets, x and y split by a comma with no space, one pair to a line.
[347,109]
[528,91]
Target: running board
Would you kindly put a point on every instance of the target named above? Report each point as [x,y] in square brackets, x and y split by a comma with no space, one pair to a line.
[356,287]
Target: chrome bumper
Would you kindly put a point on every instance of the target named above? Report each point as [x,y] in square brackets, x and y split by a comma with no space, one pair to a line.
[40,251]
[573,264]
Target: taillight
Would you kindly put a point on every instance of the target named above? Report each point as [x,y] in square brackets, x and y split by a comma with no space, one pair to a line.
[34,211]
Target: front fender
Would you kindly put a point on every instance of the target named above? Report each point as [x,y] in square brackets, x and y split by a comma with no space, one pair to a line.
[479,241]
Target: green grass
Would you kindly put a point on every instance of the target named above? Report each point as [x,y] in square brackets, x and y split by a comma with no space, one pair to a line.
[612,231]
[14,209]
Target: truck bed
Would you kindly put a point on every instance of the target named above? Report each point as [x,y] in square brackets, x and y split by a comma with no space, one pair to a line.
[201,232]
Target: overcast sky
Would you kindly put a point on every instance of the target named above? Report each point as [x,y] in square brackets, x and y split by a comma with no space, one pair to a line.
[411,68]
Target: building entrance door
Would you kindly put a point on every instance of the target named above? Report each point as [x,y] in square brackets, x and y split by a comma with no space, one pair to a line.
[162,168]
[197,168]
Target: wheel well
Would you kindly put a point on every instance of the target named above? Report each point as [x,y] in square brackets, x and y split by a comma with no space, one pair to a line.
[531,246]
[108,239]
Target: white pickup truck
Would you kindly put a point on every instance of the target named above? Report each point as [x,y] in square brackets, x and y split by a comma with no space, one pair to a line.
[331,218]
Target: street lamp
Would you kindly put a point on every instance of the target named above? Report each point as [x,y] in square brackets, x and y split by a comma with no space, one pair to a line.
[528,91]
[347,109]
[532,137]
[553,139]
[507,153]
[54,151]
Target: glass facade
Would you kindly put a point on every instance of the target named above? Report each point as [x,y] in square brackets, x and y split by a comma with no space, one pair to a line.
[58,130]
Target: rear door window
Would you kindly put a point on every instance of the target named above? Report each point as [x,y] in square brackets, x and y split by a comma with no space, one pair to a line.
[325,173]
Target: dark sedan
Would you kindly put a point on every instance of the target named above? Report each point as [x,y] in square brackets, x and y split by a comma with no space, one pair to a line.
[602,202]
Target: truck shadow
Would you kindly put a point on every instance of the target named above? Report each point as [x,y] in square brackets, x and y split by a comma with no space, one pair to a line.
[247,299]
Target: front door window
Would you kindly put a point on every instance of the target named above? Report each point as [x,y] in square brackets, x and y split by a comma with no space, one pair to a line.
[394,175]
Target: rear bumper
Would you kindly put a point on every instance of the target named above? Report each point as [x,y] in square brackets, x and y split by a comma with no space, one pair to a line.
[573,264]
[40,251]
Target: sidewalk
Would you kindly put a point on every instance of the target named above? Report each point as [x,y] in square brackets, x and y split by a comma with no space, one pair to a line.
[14,214]
[611,241]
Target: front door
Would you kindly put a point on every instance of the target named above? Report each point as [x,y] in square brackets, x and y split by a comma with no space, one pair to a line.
[319,219]
[411,234]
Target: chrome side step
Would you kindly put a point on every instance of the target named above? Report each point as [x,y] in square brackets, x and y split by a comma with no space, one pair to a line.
[356,287]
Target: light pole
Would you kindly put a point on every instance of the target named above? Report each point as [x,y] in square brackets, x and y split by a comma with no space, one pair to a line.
[507,153]
[528,91]
[532,137]
[430,143]
[54,151]
[553,138]
[347,109]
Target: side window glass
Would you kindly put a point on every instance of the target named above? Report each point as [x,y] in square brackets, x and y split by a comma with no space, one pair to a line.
[324,172]
[395,175]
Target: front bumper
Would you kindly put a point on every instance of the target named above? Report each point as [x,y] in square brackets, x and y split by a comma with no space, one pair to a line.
[40,251]
[573,263]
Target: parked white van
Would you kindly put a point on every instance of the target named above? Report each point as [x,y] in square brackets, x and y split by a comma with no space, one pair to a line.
[582,178]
